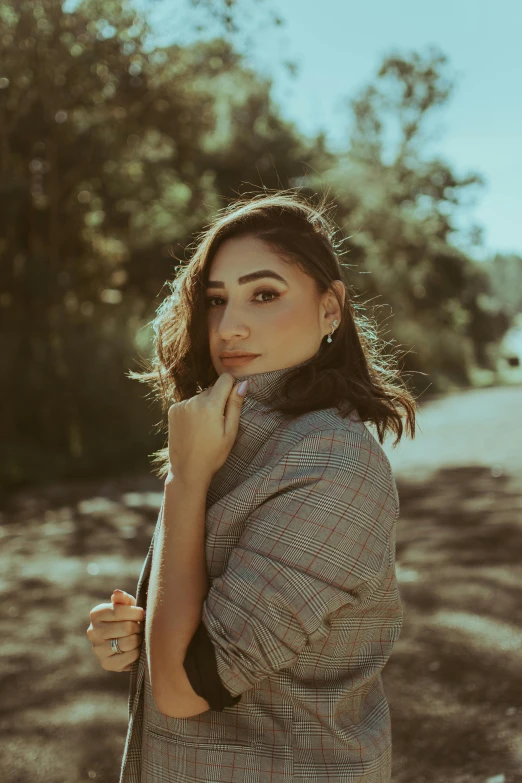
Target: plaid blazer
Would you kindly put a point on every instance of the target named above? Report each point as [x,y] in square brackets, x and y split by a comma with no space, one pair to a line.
[301,616]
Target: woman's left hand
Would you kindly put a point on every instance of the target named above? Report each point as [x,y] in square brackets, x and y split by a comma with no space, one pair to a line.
[202,430]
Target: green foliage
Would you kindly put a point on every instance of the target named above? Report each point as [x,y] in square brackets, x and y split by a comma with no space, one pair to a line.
[398,214]
[113,155]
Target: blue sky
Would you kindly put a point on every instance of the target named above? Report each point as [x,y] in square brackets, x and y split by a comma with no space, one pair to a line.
[338,46]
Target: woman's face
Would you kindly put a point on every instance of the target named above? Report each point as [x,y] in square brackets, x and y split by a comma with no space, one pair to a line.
[281,318]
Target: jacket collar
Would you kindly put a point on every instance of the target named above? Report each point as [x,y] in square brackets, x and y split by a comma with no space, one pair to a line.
[267,386]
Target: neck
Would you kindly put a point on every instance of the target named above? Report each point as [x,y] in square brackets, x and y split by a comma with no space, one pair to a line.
[267,386]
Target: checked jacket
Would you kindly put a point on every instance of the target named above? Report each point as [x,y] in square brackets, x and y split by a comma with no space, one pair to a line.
[301,616]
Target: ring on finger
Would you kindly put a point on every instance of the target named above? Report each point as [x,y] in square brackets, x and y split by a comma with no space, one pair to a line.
[115,646]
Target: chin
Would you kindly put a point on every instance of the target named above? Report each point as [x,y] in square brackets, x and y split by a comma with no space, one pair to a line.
[237,372]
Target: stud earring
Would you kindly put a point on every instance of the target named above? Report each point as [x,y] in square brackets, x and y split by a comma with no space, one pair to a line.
[329,338]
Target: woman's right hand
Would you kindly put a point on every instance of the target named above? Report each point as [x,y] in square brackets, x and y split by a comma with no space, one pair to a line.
[121,620]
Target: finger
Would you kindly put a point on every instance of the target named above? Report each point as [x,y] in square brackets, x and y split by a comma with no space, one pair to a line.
[116,630]
[233,410]
[125,643]
[121,597]
[124,612]
[117,662]
[128,643]
[103,649]
[221,389]
[108,613]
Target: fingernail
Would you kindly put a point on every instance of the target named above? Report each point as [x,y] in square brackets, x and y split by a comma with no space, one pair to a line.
[118,591]
[241,389]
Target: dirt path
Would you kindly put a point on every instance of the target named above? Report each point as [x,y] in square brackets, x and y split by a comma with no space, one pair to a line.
[453,682]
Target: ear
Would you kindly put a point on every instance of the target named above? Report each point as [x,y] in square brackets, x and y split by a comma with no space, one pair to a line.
[341,289]
[331,309]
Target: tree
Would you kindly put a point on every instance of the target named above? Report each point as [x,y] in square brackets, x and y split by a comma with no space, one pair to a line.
[111,156]
[397,208]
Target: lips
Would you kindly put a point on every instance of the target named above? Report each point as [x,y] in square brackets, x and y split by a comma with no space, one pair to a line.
[238,355]
[238,359]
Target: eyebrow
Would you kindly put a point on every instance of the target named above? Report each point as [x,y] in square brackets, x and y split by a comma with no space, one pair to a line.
[248,278]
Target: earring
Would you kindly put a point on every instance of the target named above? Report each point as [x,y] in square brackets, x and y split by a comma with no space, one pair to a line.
[329,338]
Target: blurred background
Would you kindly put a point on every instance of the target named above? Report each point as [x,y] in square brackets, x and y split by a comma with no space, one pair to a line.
[124,126]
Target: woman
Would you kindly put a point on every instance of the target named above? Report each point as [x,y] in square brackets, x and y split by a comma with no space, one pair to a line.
[270,589]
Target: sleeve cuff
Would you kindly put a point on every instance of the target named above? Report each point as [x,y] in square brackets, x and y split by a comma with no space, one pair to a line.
[201,669]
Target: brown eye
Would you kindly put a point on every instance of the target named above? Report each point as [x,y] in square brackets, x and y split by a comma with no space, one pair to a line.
[267,291]
[209,301]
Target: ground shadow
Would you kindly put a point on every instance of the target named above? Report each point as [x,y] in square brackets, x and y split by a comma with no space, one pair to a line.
[453,682]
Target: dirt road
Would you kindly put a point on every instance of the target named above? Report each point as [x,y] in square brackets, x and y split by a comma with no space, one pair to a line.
[453,682]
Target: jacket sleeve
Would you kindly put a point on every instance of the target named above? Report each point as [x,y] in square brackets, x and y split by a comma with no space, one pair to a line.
[316,541]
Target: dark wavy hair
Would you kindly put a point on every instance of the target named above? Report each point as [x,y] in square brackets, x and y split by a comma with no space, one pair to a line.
[356,371]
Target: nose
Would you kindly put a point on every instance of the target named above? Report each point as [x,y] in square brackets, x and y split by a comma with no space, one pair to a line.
[230,324]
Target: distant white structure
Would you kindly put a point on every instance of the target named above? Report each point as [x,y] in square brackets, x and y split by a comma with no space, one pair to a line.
[510,352]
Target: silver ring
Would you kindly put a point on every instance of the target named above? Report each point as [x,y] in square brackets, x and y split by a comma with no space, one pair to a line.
[115,646]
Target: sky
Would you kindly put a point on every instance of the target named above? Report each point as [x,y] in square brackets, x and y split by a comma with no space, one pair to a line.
[338,46]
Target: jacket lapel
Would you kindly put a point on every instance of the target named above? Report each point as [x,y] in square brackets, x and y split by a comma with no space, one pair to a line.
[138,670]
